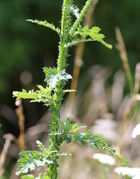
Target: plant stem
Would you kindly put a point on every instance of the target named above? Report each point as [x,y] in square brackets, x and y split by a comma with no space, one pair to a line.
[65,25]
[54,144]
[82,14]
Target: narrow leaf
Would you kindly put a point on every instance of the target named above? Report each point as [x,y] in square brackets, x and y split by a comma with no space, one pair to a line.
[45,24]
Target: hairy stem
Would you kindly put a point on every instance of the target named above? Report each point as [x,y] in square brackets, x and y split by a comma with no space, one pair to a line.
[65,25]
[58,94]
[53,145]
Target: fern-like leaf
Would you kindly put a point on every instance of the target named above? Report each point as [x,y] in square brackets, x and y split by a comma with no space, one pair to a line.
[42,95]
[71,132]
[93,33]
[25,95]
[29,160]
[45,24]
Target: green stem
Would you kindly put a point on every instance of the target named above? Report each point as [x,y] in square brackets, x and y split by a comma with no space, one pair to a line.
[54,144]
[82,14]
[64,36]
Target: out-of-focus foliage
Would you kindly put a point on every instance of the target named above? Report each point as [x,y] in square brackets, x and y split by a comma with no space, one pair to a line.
[24,47]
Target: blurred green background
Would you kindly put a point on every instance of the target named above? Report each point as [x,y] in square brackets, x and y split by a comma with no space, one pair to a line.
[25,48]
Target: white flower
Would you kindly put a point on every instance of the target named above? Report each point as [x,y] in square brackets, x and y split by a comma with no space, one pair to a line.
[131,172]
[104,159]
[136,131]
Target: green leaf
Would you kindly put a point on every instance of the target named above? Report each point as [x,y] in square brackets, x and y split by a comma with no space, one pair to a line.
[97,142]
[42,95]
[71,132]
[94,34]
[123,160]
[45,24]
[29,160]
[25,95]
[53,76]
[68,129]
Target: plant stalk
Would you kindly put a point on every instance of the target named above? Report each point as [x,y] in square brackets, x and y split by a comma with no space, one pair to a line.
[54,144]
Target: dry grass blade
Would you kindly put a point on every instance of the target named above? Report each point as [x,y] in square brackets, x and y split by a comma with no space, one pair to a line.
[19,111]
[123,54]
[137,79]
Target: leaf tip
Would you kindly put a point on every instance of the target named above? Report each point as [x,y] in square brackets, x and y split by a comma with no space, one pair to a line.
[28,20]
[110,46]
